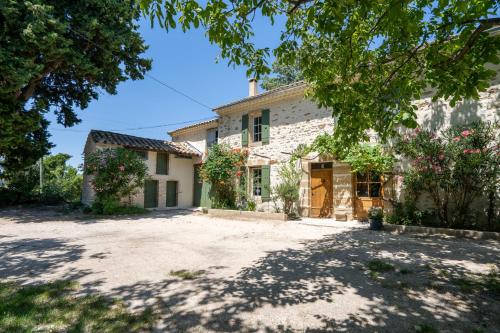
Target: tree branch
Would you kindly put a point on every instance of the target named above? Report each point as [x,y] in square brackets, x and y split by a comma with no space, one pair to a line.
[459,55]
[26,92]
[296,4]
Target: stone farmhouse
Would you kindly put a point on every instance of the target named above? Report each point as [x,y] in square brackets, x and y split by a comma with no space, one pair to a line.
[271,125]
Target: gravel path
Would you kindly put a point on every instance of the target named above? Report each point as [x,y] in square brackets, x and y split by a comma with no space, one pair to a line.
[260,276]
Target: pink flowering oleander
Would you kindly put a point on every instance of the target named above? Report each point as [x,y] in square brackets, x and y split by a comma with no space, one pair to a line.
[456,139]
[466,133]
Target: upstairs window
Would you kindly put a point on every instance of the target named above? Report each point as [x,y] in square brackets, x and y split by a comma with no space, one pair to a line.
[257,129]
[368,185]
[142,154]
[162,163]
[257,181]
[212,137]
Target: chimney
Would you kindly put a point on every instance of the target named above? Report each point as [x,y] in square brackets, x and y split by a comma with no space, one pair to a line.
[252,87]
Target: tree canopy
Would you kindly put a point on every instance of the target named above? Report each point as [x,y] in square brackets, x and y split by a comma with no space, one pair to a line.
[61,182]
[366,60]
[57,55]
[283,74]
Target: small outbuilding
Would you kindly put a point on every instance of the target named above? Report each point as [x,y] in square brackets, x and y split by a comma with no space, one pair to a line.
[170,166]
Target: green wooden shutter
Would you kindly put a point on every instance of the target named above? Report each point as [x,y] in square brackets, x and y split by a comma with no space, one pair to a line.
[206,198]
[266,183]
[244,130]
[150,193]
[162,164]
[265,127]
[198,186]
[171,194]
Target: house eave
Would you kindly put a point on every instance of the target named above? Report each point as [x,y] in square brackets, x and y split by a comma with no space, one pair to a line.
[194,128]
[294,90]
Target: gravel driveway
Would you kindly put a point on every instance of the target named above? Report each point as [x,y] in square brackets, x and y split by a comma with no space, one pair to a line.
[261,276]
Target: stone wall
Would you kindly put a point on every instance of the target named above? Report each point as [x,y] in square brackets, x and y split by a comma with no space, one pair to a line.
[297,120]
[292,122]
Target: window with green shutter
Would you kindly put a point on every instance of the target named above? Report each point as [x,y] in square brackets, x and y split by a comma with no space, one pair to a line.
[265,127]
[162,163]
[244,130]
[266,183]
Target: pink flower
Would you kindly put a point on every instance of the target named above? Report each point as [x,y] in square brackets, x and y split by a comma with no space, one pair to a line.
[456,139]
[466,133]
[475,151]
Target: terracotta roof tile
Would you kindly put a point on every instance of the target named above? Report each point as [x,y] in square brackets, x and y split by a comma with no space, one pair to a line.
[130,141]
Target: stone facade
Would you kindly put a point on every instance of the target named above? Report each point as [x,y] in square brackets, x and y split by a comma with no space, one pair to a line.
[295,120]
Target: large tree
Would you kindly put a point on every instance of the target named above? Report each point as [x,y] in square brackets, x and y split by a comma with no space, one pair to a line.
[282,74]
[56,55]
[366,60]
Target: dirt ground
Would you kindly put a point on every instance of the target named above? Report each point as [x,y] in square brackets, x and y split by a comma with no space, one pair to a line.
[261,276]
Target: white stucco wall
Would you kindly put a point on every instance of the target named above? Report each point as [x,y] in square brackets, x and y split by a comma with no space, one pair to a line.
[197,139]
[180,170]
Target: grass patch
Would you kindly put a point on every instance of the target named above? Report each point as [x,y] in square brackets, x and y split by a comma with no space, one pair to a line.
[425,328]
[185,274]
[479,282]
[52,307]
[405,271]
[379,266]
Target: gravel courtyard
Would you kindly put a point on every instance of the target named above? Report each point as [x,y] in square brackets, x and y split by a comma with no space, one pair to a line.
[261,276]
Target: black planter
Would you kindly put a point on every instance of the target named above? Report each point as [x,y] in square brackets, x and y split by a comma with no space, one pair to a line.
[375,224]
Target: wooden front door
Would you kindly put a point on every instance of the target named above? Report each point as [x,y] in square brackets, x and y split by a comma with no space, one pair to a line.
[150,193]
[321,193]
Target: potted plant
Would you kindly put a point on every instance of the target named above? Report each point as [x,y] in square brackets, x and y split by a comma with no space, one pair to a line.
[376,216]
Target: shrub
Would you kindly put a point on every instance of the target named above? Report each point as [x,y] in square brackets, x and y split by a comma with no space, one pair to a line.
[454,169]
[286,192]
[222,169]
[117,173]
[251,205]
[409,214]
[112,207]
[376,213]
[61,183]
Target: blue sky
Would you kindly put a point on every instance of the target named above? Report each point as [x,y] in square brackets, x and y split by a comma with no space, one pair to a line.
[185,61]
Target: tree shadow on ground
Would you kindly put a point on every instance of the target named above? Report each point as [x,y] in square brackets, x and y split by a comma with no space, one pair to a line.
[26,260]
[41,214]
[420,290]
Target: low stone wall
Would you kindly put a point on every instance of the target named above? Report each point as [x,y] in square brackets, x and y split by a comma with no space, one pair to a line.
[474,234]
[246,215]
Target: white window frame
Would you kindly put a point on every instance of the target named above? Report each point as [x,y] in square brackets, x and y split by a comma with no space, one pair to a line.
[256,191]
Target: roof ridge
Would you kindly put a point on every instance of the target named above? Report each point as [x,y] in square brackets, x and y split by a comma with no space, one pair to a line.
[130,135]
[138,142]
